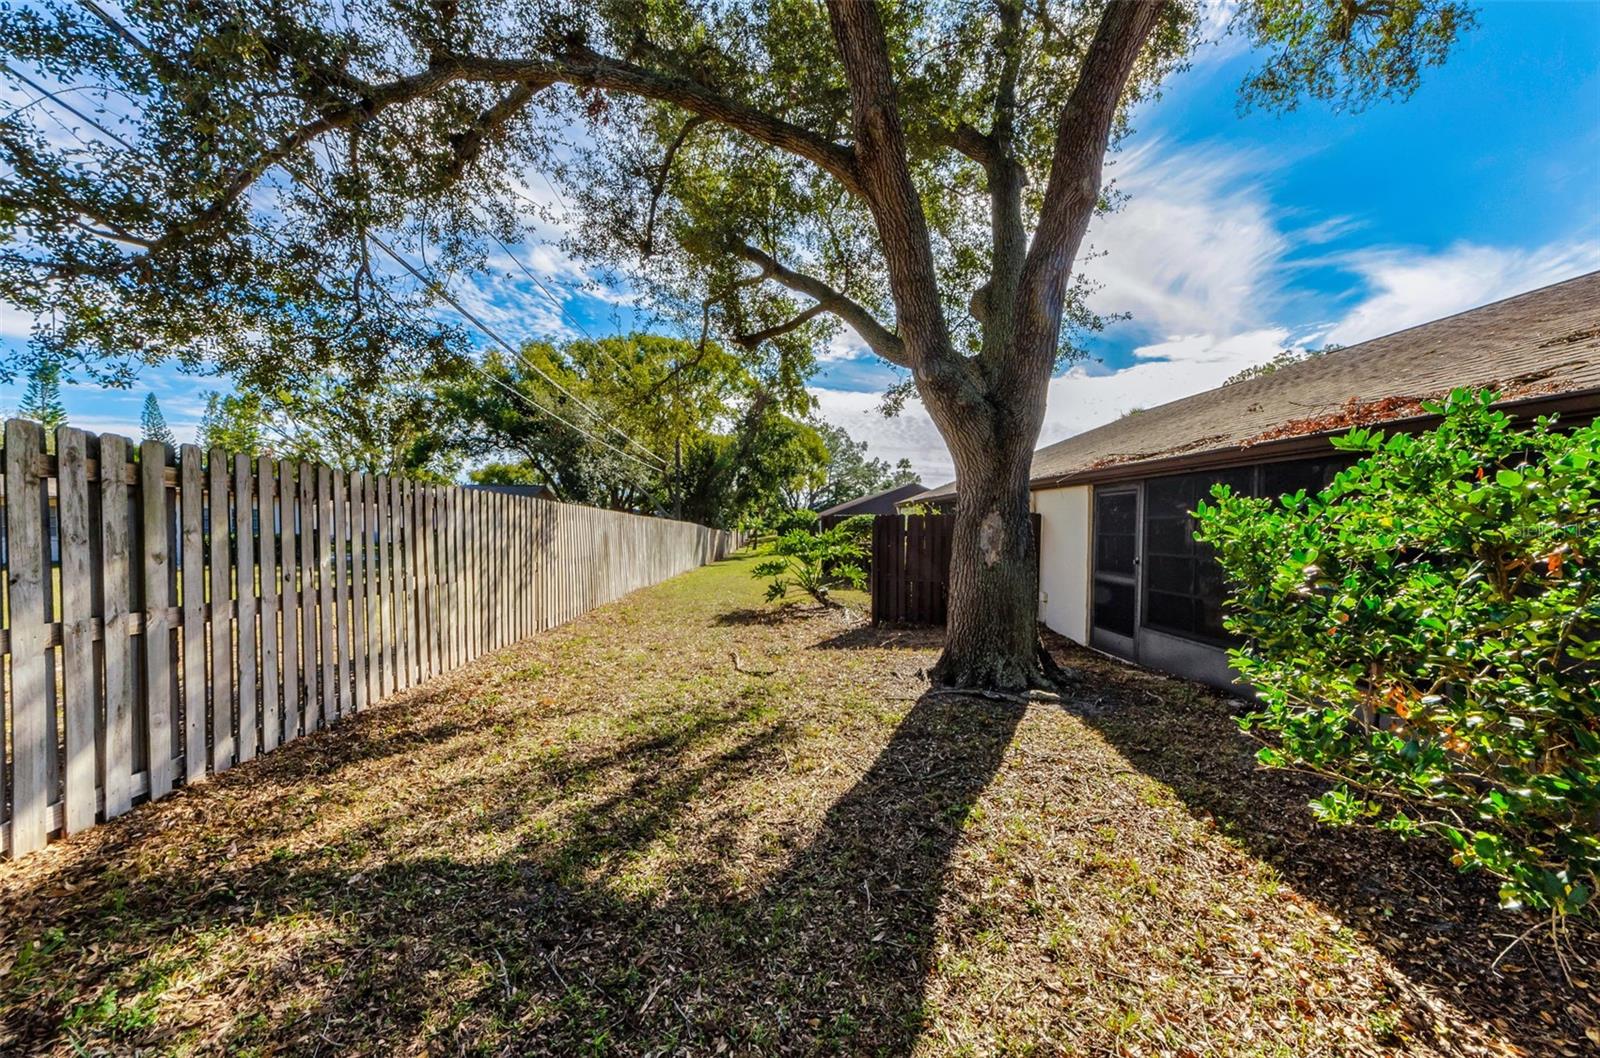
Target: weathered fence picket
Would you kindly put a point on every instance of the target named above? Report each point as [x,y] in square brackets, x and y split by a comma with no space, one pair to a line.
[267,497]
[187,611]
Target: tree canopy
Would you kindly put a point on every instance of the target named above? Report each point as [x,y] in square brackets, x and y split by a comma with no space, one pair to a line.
[213,189]
[393,426]
[640,422]
[848,473]
[266,187]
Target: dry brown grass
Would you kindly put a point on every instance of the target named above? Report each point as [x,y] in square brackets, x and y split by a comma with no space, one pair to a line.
[614,840]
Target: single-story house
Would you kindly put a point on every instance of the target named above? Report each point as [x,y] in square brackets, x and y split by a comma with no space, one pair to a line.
[876,503]
[1119,567]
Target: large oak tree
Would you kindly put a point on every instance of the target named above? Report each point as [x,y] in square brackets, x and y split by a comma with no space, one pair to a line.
[922,172]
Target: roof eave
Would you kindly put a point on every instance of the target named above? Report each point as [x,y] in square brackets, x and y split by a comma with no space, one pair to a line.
[1584,403]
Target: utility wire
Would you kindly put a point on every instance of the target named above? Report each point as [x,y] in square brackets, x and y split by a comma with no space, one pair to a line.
[426,280]
[560,306]
[557,302]
[432,284]
[466,313]
[54,97]
[442,292]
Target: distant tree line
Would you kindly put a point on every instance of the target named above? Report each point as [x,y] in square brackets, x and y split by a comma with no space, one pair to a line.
[641,422]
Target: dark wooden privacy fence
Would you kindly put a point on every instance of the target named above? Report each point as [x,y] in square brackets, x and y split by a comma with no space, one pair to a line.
[910,575]
[166,618]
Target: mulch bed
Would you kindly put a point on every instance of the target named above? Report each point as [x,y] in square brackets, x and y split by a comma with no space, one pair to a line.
[688,824]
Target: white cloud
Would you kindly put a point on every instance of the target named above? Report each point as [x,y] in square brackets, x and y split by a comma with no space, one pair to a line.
[845,344]
[1199,248]
[1198,258]
[1164,371]
[1078,400]
[1206,264]
[1406,288]
[15,324]
[909,435]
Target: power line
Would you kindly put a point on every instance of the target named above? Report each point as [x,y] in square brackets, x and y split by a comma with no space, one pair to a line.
[54,97]
[535,405]
[540,408]
[439,289]
[557,302]
[428,281]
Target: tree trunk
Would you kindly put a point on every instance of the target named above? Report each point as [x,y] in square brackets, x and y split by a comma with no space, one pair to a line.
[992,634]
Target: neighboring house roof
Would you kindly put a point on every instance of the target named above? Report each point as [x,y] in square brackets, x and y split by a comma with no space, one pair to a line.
[1533,347]
[877,503]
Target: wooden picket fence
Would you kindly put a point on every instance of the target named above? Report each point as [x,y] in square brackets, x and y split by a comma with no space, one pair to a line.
[167,618]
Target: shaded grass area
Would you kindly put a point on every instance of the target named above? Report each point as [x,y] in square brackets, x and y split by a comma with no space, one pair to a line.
[618,839]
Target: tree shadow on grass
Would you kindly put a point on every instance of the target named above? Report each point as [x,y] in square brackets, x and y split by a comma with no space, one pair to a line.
[883,637]
[564,942]
[1438,928]
[767,616]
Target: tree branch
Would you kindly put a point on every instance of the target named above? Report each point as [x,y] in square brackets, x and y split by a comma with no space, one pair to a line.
[995,304]
[966,140]
[382,97]
[879,338]
[658,187]
[468,144]
[887,185]
[584,67]
[750,341]
[580,67]
[113,236]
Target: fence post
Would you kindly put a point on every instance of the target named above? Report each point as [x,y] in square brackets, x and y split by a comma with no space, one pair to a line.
[359,541]
[116,581]
[77,630]
[289,597]
[159,697]
[341,587]
[222,729]
[245,576]
[32,711]
[266,501]
[309,571]
[191,508]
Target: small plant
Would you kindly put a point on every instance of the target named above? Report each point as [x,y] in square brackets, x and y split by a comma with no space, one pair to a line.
[813,563]
[1426,632]
[802,521]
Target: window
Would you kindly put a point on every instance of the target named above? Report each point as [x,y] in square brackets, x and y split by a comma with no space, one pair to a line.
[1183,587]
[1313,475]
[1115,525]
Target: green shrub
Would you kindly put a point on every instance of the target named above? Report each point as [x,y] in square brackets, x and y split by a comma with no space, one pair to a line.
[796,521]
[1426,631]
[814,563]
[858,527]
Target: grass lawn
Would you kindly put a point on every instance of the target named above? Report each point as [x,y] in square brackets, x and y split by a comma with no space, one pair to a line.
[686,825]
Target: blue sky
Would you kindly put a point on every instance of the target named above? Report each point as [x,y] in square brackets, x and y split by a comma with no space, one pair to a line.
[1242,234]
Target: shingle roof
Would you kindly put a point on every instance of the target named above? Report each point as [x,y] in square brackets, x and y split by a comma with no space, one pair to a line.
[874,503]
[1542,343]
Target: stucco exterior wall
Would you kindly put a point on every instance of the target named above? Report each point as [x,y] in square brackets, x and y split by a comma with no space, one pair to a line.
[1064,558]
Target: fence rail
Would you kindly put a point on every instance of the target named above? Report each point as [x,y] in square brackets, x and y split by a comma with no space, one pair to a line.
[169,615]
